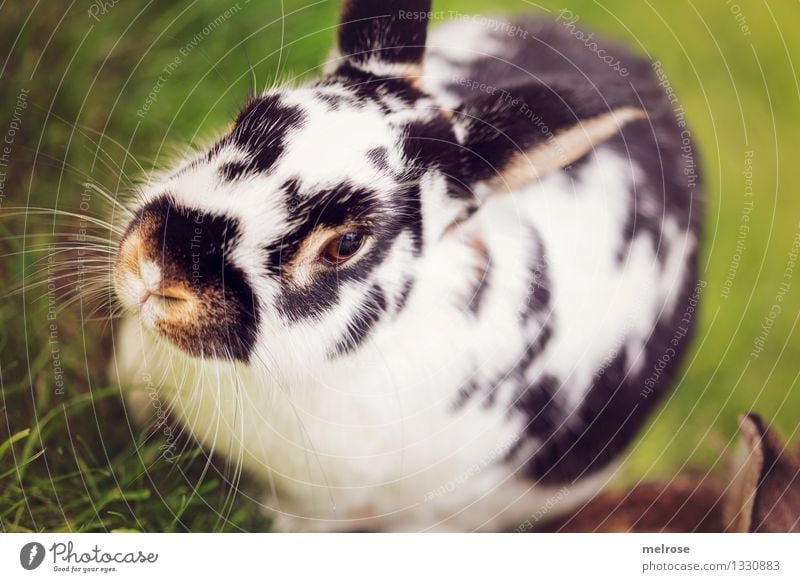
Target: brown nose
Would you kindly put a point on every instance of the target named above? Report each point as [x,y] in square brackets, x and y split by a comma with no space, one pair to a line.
[133,262]
[174,267]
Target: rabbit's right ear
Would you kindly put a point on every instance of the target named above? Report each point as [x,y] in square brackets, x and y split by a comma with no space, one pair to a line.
[384,37]
[516,136]
[764,495]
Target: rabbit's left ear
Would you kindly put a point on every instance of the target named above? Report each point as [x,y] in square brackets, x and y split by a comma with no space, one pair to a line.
[384,37]
[518,135]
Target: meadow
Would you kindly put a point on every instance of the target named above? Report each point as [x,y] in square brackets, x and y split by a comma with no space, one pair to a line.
[95,95]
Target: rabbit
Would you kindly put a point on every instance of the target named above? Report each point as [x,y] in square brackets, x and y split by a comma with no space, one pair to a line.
[429,290]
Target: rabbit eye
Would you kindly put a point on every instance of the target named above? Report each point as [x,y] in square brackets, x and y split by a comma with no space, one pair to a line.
[343,247]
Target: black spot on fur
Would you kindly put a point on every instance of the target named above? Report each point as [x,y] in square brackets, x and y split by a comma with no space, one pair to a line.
[362,323]
[431,144]
[538,299]
[541,406]
[388,93]
[537,316]
[379,158]
[482,284]
[337,100]
[231,171]
[465,394]
[402,299]
[514,377]
[261,131]
[293,198]
[594,434]
[666,184]
[616,406]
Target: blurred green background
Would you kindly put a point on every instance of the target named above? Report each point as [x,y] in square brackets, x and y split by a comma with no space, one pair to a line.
[78,98]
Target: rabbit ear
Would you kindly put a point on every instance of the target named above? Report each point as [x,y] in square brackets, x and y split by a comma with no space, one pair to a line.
[765,492]
[516,136]
[386,37]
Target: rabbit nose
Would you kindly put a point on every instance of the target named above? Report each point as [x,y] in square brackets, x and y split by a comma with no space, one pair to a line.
[140,279]
[134,275]
[149,273]
[132,261]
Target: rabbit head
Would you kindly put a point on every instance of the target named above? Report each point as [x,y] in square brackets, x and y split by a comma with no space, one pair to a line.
[306,223]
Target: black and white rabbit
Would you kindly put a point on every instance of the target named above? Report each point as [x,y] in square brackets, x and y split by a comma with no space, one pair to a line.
[431,289]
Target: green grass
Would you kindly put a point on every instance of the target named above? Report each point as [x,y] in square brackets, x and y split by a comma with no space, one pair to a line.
[72,461]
